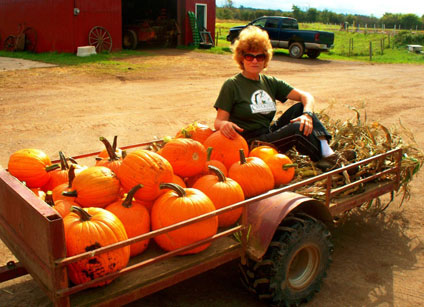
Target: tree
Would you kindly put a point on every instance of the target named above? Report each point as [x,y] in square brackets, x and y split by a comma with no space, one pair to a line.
[312,15]
[297,13]
[410,21]
[228,4]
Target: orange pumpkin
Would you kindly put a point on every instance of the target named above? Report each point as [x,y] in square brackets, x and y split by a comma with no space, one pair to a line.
[65,187]
[223,192]
[32,166]
[187,156]
[224,149]
[253,174]
[263,152]
[147,168]
[196,131]
[58,176]
[112,161]
[282,168]
[135,217]
[96,186]
[87,230]
[181,204]
[62,206]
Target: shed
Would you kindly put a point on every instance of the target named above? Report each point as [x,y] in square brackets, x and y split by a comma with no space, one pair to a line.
[64,25]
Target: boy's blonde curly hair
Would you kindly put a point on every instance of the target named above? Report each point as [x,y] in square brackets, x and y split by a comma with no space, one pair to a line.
[252,39]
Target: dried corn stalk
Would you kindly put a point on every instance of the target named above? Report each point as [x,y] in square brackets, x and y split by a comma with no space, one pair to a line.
[367,140]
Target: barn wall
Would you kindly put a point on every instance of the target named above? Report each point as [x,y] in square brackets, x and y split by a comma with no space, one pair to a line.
[57,27]
[211,11]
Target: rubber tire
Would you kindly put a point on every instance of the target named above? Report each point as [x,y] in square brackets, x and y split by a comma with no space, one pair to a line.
[296,50]
[313,53]
[270,278]
[129,39]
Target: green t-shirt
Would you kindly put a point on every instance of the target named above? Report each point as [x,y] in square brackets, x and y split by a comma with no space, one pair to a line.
[251,103]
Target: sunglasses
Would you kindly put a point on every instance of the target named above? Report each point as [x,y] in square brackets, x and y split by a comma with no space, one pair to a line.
[250,57]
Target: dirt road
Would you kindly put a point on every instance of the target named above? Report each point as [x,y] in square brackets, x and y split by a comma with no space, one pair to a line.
[378,259]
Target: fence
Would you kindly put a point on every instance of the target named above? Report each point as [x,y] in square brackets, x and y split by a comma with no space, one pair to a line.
[363,47]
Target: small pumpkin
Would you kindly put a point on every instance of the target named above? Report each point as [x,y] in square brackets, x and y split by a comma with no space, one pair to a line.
[187,156]
[224,149]
[177,205]
[253,175]
[196,131]
[59,175]
[223,192]
[263,152]
[32,166]
[97,186]
[87,230]
[135,217]
[112,161]
[147,168]
[282,168]
[62,206]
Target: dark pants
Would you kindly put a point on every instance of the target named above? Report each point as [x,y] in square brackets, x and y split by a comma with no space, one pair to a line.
[284,135]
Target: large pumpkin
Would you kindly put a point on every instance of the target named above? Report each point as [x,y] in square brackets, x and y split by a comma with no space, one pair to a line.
[147,168]
[96,186]
[223,192]
[89,229]
[253,174]
[135,218]
[187,156]
[177,205]
[31,166]
[224,149]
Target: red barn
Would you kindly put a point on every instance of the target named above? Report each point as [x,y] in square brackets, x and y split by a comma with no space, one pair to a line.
[64,25]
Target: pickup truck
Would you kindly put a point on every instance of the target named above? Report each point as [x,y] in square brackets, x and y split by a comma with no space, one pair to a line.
[284,33]
[282,240]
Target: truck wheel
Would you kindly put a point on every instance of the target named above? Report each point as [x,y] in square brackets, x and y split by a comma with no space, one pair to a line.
[129,39]
[297,259]
[296,50]
[313,53]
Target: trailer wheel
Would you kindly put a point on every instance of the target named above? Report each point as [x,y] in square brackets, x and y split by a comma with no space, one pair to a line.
[296,50]
[297,259]
[313,53]
[129,39]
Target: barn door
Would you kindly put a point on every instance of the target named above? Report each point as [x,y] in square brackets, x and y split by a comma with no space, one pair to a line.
[201,16]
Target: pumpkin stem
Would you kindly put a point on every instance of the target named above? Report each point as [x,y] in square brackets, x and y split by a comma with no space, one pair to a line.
[71,175]
[82,213]
[52,167]
[288,165]
[72,160]
[175,187]
[49,198]
[209,153]
[115,143]
[63,163]
[127,203]
[124,154]
[109,148]
[242,156]
[70,193]
[218,172]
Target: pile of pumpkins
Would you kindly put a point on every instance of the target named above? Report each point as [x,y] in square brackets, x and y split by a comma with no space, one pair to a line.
[127,195]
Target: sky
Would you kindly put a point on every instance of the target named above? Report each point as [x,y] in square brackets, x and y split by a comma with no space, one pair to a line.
[376,8]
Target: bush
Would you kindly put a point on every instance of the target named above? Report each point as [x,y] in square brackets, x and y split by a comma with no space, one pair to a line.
[404,38]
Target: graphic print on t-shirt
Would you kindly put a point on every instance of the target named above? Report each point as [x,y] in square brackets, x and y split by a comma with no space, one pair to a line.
[262,102]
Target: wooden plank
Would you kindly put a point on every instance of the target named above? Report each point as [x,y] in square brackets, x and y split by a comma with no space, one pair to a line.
[157,276]
[31,229]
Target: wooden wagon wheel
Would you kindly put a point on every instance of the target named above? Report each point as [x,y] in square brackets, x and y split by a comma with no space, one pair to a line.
[100,38]
[10,43]
[30,39]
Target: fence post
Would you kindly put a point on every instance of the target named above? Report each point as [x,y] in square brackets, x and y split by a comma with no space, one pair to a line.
[382,46]
[370,50]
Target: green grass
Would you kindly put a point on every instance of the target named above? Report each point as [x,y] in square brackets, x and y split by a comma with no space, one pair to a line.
[341,51]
